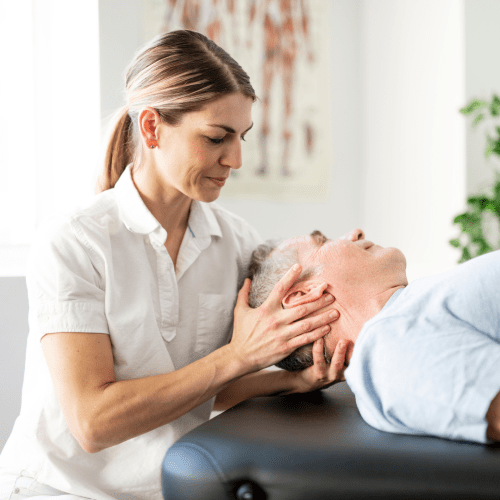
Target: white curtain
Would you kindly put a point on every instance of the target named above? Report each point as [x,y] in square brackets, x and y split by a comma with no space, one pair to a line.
[50,123]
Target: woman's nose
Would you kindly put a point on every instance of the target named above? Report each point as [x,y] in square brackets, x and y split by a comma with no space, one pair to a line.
[355,235]
[232,156]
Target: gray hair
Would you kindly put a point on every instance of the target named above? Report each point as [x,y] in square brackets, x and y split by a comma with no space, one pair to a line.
[267,267]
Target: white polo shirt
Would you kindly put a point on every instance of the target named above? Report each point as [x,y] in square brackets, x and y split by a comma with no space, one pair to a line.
[105,269]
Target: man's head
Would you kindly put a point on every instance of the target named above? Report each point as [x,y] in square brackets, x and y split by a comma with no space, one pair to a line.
[359,274]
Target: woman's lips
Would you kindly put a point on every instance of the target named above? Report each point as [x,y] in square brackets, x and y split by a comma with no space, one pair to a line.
[220,181]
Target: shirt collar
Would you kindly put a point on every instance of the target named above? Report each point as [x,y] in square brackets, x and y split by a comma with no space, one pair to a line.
[134,213]
[392,298]
[138,219]
[202,221]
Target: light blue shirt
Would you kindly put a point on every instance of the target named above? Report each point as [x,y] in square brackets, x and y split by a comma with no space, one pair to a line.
[429,362]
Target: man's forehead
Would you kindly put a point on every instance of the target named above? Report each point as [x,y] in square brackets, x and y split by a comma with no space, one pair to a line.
[316,239]
[296,241]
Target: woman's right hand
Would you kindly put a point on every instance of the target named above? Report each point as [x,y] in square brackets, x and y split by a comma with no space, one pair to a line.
[265,335]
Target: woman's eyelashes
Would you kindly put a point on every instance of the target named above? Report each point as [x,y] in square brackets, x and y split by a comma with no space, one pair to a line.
[220,140]
[216,140]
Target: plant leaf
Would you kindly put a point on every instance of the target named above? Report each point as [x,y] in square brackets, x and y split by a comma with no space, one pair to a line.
[472,106]
[489,149]
[479,202]
[478,118]
[465,255]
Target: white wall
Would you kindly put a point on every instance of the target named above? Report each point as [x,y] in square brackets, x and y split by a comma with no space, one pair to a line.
[483,79]
[414,145]
[120,35]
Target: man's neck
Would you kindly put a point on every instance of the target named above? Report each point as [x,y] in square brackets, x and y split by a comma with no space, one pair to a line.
[355,312]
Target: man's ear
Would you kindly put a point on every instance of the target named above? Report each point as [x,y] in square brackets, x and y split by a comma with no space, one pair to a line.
[301,294]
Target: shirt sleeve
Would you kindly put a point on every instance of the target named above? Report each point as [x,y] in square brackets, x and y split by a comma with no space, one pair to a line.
[251,241]
[65,287]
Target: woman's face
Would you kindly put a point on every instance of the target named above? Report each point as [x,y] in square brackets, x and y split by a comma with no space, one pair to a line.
[196,156]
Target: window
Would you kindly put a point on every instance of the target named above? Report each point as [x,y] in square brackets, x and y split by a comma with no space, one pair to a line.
[50,126]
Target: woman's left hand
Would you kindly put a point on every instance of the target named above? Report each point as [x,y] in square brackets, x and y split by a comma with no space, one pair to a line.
[321,375]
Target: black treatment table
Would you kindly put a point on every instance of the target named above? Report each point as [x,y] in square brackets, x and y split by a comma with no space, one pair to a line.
[316,446]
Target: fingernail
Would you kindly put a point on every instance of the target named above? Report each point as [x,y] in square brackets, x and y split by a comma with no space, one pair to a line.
[325,329]
[333,314]
[328,298]
[296,267]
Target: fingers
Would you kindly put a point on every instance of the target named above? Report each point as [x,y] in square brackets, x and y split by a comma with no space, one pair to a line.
[306,338]
[244,293]
[337,365]
[303,310]
[312,323]
[283,285]
[333,372]
[320,366]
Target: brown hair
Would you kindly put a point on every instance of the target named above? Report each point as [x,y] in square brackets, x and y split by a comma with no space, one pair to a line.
[176,73]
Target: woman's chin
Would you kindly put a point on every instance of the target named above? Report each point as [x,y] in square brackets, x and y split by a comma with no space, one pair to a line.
[207,196]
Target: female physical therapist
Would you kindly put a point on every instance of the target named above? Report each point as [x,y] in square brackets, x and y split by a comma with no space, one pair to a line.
[132,296]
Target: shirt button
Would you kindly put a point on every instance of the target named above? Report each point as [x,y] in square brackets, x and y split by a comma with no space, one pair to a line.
[16,490]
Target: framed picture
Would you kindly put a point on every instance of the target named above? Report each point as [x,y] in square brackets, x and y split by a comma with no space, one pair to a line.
[284,46]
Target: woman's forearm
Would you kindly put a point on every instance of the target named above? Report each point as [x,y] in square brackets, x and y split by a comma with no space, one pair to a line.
[102,412]
[261,383]
[132,407]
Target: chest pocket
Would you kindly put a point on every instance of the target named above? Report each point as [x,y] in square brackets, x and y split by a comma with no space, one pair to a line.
[215,318]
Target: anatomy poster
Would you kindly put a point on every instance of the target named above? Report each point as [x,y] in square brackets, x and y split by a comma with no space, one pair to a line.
[283,46]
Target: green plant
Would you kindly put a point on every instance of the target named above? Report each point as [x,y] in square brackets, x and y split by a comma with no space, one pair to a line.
[473,240]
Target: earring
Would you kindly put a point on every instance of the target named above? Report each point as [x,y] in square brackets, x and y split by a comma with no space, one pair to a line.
[152,143]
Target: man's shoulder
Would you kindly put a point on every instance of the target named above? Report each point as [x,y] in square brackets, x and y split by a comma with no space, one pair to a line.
[416,366]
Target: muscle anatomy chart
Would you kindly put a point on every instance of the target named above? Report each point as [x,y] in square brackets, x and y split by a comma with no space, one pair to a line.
[283,46]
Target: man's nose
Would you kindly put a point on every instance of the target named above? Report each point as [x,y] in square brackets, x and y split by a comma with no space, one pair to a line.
[354,235]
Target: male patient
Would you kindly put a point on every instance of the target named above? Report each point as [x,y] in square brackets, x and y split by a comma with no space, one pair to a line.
[424,357]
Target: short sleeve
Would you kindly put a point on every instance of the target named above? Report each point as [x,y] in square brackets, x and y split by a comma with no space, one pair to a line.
[65,287]
[250,240]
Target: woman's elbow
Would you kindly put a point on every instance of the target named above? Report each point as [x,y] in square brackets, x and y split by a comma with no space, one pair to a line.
[90,447]
[88,436]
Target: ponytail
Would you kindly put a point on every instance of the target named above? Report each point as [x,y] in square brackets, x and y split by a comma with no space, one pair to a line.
[119,152]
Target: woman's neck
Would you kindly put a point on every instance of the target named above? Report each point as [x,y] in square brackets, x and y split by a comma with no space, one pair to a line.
[169,206]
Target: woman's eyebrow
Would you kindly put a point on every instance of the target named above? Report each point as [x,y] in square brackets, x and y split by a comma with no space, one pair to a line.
[229,129]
